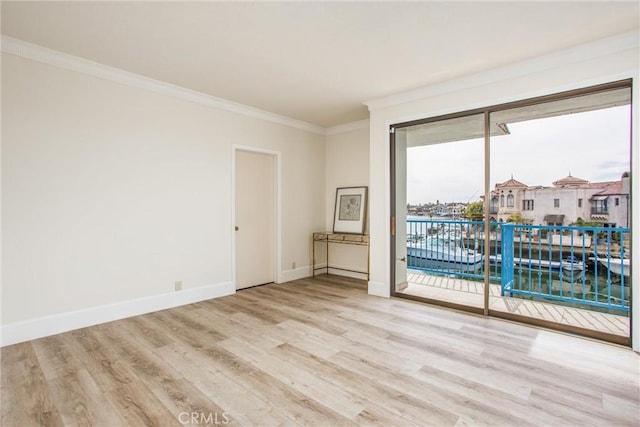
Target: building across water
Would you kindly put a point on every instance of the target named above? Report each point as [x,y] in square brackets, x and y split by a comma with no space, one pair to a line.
[567,200]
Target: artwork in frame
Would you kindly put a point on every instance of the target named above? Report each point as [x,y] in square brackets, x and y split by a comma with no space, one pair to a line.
[350,213]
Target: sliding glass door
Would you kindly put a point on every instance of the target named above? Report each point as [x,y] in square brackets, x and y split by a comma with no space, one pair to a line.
[520,211]
[560,187]
[439,172]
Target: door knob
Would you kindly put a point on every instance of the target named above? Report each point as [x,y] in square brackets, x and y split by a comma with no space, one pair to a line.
[237,228]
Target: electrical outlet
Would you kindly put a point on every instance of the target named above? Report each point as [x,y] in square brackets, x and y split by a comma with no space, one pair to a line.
[178,285]
[293,265]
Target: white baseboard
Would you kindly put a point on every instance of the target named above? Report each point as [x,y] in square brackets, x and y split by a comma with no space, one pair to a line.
[14,333]
[296,273]
[303,272]
[379,289]
[345,273]
[343,270]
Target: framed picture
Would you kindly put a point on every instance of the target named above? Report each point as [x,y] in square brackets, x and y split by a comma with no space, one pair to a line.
[350,212]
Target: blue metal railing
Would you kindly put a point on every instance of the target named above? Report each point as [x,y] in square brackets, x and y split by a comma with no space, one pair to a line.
[448,247]
[553,262]
[588,266]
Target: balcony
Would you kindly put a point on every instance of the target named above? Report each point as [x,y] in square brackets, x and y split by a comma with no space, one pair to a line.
[575,276]
[599,210]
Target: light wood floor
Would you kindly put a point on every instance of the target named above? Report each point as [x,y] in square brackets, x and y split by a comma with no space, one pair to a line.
[471,293]
[317,352]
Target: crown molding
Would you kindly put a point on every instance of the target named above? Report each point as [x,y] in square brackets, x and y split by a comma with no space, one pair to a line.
[55,58]
[347,127]
[583,52]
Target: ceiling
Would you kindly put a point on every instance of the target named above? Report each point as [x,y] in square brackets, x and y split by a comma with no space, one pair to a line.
[312,61]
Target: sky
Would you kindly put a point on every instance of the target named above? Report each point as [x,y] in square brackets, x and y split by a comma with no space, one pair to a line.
[594,145]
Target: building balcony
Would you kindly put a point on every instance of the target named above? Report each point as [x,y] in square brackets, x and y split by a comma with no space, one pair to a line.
[599,211]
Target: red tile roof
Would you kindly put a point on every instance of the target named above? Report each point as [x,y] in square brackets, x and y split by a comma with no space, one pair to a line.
[512,183]
[570,181]
[614,187]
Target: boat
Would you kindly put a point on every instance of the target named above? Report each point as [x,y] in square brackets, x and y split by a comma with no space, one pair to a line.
[442,254]
[572,267]
[619,266]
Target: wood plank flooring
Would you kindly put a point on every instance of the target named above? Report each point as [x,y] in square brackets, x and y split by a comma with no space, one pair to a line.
[317,352]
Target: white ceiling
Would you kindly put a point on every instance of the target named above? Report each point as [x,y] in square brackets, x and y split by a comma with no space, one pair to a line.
[312,61]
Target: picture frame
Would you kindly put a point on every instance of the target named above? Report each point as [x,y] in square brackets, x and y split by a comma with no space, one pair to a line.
[350,214]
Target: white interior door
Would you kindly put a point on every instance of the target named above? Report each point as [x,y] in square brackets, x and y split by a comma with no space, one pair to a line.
[255,218]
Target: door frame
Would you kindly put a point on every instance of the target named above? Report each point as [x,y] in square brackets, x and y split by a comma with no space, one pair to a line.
[277,206]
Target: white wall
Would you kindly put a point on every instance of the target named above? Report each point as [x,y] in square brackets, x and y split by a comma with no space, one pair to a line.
[111,193]
[347,165]
[600,62]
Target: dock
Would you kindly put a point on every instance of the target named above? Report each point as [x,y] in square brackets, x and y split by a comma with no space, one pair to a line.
[535,264]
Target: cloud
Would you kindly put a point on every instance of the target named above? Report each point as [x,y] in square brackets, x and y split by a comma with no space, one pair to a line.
[592,145]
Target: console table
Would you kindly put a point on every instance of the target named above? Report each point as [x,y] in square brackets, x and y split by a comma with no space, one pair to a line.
[329,238]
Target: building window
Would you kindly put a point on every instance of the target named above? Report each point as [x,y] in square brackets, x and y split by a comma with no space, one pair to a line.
[556,203]
[493,206]
[510,201]
[527,205]
[617,201]
[502,200]
[579,203]
[600,207]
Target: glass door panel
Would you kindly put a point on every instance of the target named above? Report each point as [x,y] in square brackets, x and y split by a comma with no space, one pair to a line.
[439,231]
[560,213]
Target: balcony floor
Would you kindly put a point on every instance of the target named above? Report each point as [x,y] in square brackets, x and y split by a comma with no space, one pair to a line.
[466,292]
